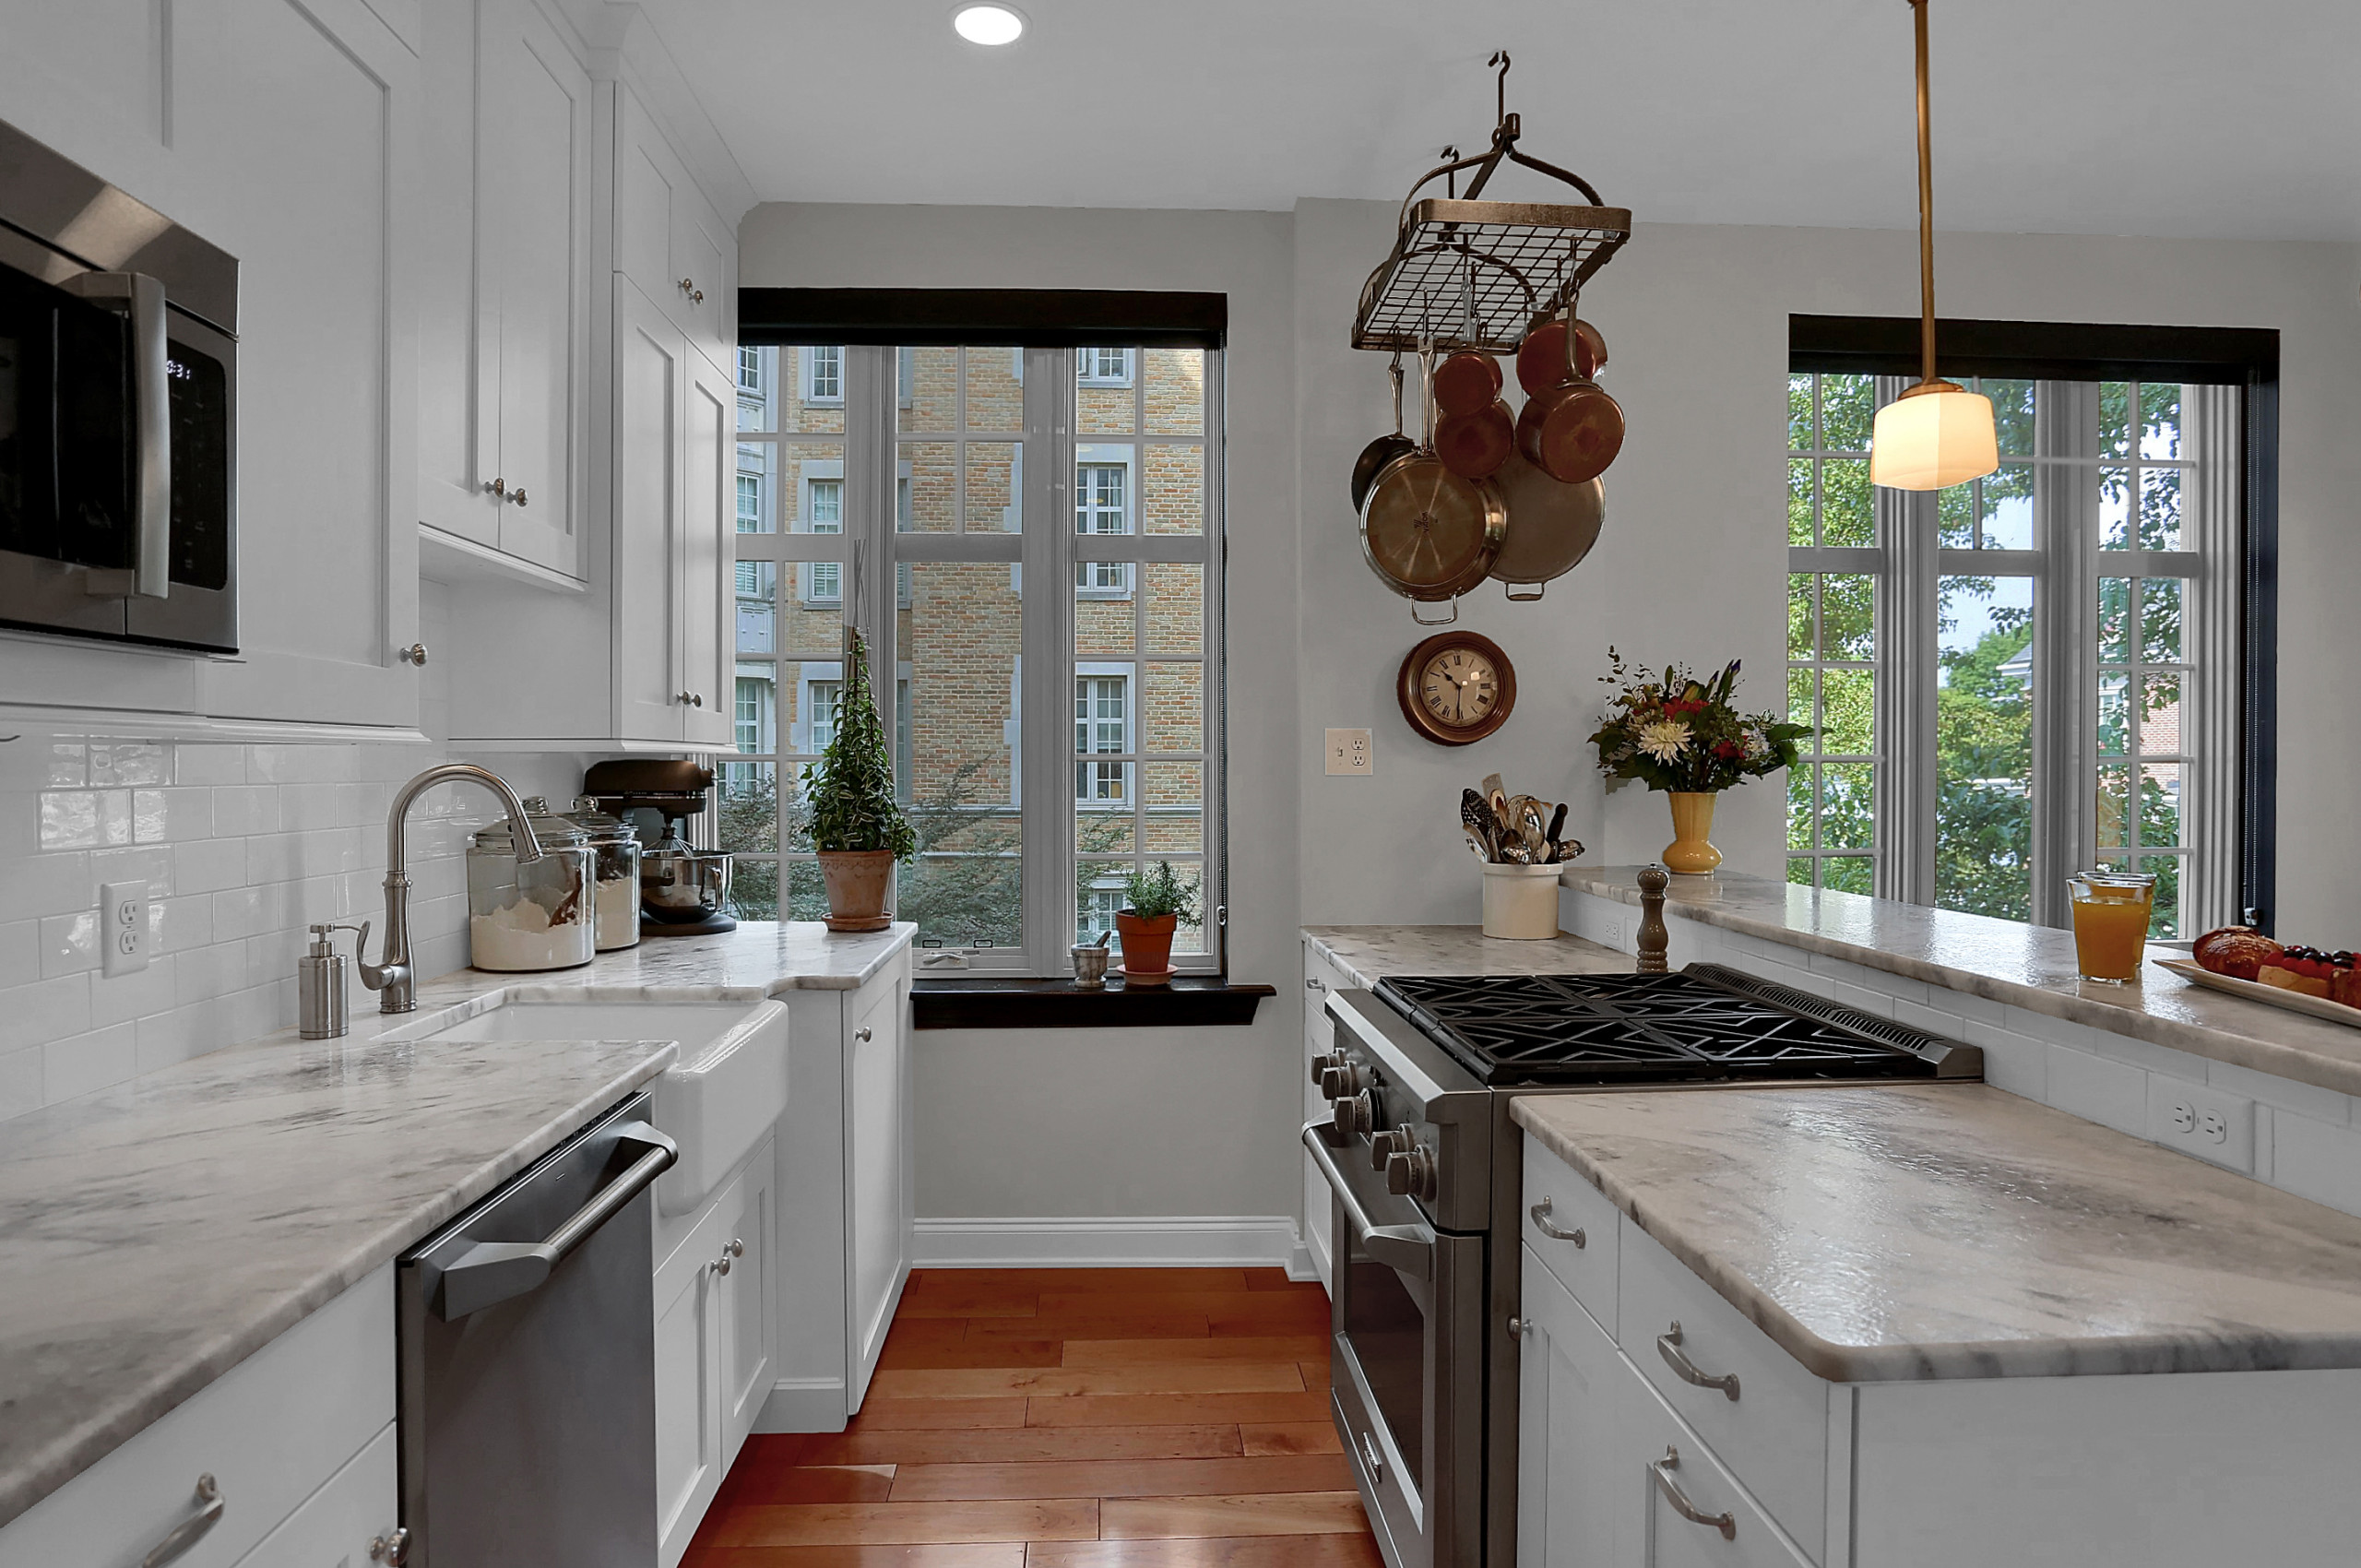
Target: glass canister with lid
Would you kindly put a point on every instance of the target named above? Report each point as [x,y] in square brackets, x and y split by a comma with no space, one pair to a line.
[540,916]
[615,854]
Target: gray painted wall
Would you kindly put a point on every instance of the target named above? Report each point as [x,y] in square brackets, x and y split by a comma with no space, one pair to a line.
[1692,566]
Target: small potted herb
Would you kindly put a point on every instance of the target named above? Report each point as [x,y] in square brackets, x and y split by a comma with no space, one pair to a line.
[1157,901]
[857,828]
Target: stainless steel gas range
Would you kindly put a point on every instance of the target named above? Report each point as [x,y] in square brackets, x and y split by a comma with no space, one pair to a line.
[1423,1164]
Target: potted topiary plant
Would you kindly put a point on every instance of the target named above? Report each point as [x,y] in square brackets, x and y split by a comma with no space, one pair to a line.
[1156,902]
[857,828]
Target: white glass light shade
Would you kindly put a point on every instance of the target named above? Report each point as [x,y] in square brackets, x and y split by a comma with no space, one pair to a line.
[1931,440]
[989,25]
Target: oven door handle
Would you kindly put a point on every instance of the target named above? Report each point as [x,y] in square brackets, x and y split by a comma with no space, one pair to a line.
[1405,1249]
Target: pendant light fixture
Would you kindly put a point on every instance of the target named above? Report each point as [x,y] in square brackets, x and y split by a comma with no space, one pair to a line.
[1937,433]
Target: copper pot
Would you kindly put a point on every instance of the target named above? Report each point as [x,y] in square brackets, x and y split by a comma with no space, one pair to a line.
[1571,432]
[1541,358]
[1473,445]
[1467,383]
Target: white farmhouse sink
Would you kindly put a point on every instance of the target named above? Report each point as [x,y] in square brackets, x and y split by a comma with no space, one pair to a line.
[728,1088]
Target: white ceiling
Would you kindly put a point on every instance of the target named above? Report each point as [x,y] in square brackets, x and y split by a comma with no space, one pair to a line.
[2208,117]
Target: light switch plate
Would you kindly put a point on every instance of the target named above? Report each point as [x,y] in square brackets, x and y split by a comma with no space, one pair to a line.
[2200,1119]
[122,927]
[1348,752]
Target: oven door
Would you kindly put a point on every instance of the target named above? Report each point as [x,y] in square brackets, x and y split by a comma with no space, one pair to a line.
[1407,1361]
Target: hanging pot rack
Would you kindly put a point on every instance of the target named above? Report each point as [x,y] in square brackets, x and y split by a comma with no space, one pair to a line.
[1466,273]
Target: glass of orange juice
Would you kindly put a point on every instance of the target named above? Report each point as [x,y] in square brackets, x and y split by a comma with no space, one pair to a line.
[2111,910]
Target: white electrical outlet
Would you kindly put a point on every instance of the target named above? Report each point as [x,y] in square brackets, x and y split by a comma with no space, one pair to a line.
[2200,1121]
[1348,752]
[122,926]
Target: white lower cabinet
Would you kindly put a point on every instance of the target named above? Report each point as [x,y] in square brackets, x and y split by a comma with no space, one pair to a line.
[1320,977]
[343,1521]
[1625,1463]
[715,1327]
[297,1439]
[849,1206]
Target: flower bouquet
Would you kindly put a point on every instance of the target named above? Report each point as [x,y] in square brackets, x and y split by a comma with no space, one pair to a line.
[1683,736]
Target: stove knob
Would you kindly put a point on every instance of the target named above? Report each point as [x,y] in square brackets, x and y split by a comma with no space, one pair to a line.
[1411,1175]
[1391,1141]
[1342,1080]
[1321,1066]
[1354,1113]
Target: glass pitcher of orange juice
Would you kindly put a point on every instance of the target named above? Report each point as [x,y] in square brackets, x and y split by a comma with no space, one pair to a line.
[2111,912]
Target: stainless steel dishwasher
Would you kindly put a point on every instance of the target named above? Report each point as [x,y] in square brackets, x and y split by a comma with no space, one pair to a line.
[528,1353]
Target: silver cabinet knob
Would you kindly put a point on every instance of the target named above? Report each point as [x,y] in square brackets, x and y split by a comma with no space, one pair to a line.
[737,1248]
[721,1263]
[1519,1327]
[517,496]
[391,1548]
[496,487]
[862,1034]
[689,286]
[696,699]
[685,698]
[414,654]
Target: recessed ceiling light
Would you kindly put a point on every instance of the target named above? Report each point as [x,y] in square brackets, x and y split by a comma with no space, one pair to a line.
[989,25]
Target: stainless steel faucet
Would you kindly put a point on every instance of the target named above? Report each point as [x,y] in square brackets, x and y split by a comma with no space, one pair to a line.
[394,976]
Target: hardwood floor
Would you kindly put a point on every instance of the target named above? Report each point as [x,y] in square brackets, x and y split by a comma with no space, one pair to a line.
[1063,1417]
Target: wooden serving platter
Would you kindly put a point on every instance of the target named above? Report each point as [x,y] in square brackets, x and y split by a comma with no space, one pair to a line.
[2255,990]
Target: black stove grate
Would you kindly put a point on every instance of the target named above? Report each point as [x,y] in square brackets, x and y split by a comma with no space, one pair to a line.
[1552,1029]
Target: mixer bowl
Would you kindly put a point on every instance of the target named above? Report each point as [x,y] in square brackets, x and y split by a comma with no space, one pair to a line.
[683,885]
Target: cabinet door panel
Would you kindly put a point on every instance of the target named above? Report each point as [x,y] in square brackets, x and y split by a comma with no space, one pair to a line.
[688,1428]
[334,1529]
[749,1301]
[1566,1391]
[1650,1434]
[315,136]
[532,226]
[708,510]
[648,371]
[699,247]
[876,1198]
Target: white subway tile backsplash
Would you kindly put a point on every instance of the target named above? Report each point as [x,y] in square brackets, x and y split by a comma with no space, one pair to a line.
[2314,1160]
[2097,1088]
[2011,1061]
[1949,1024]
[80,1063]
[240,847]
[2305,1099]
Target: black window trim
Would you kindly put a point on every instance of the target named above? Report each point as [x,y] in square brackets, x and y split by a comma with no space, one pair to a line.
[2060,351]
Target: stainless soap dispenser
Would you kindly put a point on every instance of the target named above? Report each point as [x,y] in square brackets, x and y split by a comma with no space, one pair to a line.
[319,975]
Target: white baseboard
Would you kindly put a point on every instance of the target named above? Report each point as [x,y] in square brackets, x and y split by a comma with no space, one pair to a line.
[1115,1242]
[803,1403]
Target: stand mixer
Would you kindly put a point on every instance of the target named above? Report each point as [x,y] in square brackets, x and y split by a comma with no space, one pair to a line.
[683,891]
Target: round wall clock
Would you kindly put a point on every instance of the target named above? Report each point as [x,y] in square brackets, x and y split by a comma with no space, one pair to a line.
[1457,688]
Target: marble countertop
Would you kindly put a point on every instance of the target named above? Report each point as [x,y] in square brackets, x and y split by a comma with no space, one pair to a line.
[155,1234]
[1956,1232]
[1369,953]
[2022,966]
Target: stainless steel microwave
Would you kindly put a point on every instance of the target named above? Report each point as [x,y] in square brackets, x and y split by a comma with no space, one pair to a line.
[118,413]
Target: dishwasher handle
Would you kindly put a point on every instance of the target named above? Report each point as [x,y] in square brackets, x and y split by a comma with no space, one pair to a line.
[493,1272]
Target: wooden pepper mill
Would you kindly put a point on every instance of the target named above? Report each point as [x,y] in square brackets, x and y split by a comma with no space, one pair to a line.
[1652,938]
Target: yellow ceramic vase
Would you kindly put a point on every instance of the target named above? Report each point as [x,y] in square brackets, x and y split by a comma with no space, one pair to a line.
[1691,853]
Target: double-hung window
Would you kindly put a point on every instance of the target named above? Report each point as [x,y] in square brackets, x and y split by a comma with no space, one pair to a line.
[926,488]
[2030,673]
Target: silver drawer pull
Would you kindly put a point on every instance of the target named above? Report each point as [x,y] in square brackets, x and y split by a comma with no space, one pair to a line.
[392,1549]
[1376,1459]
[1540,1213]
[1519,1327]
[1662,1470]
[862,1034]
[1312,982]
[184,1535]
[1668,1347]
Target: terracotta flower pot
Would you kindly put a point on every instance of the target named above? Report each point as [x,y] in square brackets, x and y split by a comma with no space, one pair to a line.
[1147,947]
[1691,852]
[857,882]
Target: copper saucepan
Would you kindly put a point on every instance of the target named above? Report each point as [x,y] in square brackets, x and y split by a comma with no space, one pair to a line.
[1572,429]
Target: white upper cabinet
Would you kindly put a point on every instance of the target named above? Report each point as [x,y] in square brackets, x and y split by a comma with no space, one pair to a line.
[668,238]
[505,426]
[288,134]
